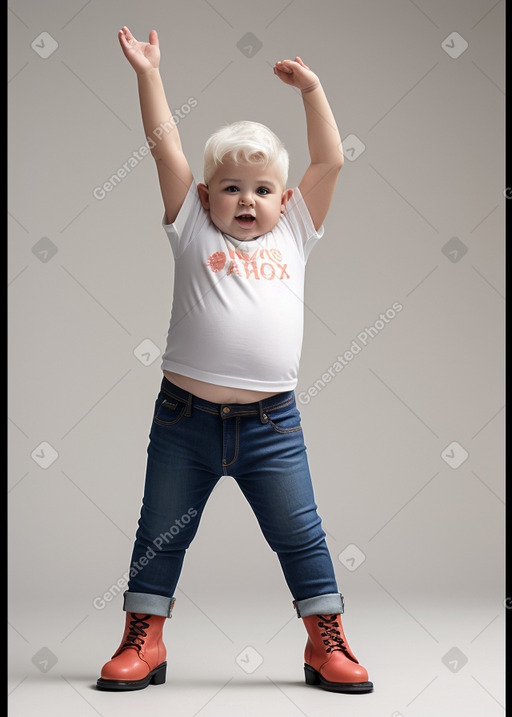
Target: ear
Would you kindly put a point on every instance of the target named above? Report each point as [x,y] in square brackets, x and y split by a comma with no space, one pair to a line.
[287,195]
[204,195]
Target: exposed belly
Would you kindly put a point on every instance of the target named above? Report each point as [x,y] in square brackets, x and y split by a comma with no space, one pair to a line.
[214,393]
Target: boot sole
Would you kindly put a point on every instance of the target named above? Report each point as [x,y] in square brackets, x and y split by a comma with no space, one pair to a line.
[155,677]
[315,678]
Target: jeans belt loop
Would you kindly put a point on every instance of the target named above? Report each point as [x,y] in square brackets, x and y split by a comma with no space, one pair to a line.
[188,410]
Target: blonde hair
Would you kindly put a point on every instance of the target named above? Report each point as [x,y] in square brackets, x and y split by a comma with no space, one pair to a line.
[245,143]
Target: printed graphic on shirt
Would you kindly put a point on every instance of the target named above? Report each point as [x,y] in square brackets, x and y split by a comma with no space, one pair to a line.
[260,264]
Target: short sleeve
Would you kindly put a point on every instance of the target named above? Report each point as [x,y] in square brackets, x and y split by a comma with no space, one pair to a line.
[188,223]
[300,223]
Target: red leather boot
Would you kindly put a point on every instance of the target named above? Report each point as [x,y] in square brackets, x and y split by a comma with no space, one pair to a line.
[328,660]
[140,658]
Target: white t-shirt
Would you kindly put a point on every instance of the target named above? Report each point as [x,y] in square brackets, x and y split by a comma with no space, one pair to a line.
[238,307]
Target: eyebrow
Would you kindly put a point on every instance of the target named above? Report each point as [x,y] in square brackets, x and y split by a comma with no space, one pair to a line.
[258,181]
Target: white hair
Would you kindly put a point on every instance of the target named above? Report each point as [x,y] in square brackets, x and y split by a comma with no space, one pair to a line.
[245,143]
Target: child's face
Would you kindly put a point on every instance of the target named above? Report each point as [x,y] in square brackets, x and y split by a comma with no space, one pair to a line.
[244,200]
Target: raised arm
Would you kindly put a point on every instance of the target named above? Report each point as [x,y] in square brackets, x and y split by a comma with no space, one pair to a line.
[174,173]
[324,141]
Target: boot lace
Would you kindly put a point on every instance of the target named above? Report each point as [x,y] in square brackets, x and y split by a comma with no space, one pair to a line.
[136,632]
[331,634]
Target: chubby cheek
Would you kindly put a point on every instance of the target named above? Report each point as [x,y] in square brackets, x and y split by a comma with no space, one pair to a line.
[272,213]
[221,207]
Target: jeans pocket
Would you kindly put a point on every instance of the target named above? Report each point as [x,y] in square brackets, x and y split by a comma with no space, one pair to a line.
[168,411]
[285,420]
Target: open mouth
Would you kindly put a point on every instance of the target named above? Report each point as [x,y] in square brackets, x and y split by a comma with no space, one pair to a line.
[245,220]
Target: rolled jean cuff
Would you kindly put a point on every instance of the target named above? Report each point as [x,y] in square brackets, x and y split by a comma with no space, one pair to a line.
[329,604]
[148,604]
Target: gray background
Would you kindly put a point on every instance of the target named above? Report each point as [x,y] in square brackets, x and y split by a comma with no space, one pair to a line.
[416,532]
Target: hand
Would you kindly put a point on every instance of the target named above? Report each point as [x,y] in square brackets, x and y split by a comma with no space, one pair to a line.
[142,56]
[297,74]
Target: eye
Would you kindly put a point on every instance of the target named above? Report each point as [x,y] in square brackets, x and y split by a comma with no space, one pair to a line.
[263,191]
[231,189]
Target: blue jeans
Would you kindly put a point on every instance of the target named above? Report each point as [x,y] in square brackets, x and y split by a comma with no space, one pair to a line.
[192,444]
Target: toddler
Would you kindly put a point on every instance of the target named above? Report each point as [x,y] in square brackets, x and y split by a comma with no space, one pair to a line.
[226,405]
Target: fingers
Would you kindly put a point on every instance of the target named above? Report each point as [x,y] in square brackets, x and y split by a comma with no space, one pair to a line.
[123,42]
[126,37]
[287,65]
[298,59]
[125,34]
[283,66]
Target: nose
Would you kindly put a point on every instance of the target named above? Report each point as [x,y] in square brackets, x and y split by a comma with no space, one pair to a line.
[246,199]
